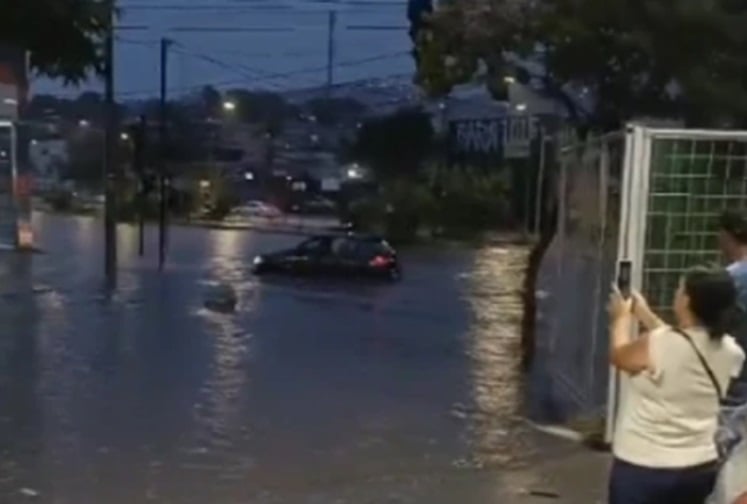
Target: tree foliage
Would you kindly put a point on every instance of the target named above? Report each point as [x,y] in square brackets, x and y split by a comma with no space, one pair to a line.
[63,36]
[395,145]
[89,106]
[683,59]
[86,155]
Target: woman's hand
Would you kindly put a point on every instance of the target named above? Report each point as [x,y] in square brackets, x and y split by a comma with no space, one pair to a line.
[619,307]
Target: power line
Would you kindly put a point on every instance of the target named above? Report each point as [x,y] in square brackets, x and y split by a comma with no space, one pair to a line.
[239,69]
[248,72]
[323,7]
[229,52]
[273,76]
[232,29]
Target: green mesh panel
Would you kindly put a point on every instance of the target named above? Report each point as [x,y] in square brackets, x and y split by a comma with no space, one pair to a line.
[692,182]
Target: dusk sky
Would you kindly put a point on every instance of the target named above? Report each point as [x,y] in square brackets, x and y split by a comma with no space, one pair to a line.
[269,44]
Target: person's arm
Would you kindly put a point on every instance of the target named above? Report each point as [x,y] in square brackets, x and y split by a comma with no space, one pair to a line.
[626,354]
[742,499]
[645,314]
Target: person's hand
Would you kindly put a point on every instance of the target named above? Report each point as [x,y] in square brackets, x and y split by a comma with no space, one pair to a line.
[618,306]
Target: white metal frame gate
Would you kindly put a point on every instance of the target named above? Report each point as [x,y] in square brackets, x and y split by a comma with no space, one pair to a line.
[637,196]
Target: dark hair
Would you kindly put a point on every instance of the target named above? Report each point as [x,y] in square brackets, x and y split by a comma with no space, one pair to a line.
[713,300]
[734,223]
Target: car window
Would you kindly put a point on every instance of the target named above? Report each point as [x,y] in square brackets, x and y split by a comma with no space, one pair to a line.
[314,246]
[370,249]
[344,247]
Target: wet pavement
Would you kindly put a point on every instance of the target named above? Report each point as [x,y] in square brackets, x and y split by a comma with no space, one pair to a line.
[310,392]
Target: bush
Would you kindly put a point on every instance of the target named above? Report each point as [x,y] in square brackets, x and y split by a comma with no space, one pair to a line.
[455,203]
[367,215]
[60,201]
[469,202]
[221,207]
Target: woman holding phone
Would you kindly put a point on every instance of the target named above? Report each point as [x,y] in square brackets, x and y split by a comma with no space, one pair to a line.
[664,449]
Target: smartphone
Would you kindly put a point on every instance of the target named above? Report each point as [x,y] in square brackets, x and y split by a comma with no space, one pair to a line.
[624,274]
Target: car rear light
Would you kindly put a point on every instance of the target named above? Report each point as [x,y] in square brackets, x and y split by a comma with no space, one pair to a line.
[381,261]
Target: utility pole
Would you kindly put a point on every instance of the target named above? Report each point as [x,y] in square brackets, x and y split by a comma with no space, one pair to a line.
[139,135]
[110,170]
[331,43]
[163,177]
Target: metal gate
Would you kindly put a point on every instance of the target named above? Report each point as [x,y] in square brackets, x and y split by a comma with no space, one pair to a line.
[649,195]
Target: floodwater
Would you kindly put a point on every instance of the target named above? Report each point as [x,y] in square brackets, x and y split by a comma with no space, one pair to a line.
[310,392]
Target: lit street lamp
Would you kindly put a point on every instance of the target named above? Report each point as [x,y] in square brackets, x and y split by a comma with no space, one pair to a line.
[229,106]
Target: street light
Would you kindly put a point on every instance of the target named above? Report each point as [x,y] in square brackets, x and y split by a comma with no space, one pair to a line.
[229,106]
[83,123]
[354,171]
[521,107]
[124,136]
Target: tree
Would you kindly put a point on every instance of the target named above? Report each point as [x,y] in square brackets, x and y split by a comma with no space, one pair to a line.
[396,145]
[660,58]
[211,100]
[417,13]
[86,153]
[63,36]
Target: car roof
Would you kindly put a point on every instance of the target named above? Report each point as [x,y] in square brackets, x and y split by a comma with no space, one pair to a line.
[353,236]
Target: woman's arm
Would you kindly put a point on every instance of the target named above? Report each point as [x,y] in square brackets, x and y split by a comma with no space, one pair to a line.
[645,314]
[742,499]
[626,354]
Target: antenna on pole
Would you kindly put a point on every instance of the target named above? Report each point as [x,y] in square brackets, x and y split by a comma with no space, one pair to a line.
[331,43]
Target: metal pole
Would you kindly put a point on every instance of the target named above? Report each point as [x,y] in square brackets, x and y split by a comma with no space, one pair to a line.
[141,135]
[539,200]
[331,51]
[163,195]
[110,219]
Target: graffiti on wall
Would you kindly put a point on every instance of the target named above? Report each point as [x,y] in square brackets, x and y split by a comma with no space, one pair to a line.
[508,137]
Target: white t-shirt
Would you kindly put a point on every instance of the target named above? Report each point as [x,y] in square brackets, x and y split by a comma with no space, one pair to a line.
[669,418]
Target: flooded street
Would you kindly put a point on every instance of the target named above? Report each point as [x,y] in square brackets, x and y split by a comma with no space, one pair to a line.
[311,392]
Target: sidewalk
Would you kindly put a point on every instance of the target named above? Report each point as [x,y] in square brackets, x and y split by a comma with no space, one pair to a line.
[578,478]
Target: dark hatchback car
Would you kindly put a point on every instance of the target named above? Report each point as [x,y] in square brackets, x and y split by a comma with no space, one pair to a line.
[345,255]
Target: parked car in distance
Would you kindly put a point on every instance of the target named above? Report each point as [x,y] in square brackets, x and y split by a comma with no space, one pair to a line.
[345,255]
[256,209]
[314,206]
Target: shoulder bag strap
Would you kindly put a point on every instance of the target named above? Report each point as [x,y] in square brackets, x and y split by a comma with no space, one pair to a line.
[704,363]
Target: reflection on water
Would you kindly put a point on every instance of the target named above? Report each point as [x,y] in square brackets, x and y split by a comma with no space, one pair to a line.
[308,392]
[494,351]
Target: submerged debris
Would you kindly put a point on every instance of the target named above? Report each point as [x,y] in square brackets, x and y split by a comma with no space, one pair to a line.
[221,298]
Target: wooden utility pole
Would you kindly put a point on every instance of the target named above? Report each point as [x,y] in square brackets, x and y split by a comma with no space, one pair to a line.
[110,160]
[163,176]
